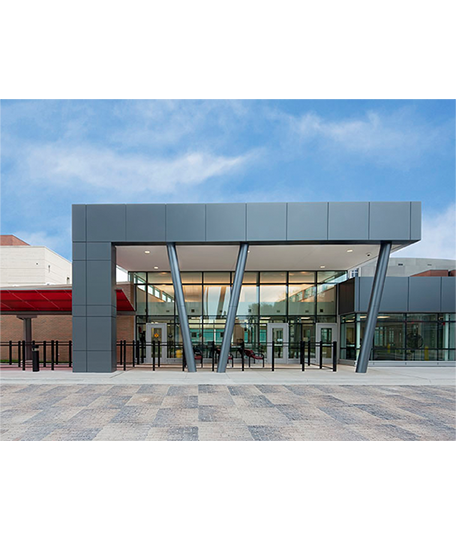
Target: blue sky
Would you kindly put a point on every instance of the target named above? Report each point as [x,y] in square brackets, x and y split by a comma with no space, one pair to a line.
[56,153]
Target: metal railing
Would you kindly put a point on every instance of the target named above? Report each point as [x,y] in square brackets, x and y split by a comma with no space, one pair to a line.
[46,354]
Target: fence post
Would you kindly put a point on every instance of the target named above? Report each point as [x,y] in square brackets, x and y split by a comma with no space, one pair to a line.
[321,354]
[272,356]
[334,351]
[158,353]
[303,360]
[44,354]
[35,358]
[52,355]
[183,359]
[18,354]
[10,352]
[70,353]
[57,352]
[153,355]
[308,352]
[133,352]
[23,356]
[213,358]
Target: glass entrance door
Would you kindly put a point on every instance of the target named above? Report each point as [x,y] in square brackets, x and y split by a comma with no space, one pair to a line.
[158,333]
[327,333]
[278,333]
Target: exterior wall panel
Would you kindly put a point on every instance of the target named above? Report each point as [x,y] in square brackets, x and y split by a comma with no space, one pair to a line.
[225,222]
[307,221]
[267,221]
[348,221]
[389,220]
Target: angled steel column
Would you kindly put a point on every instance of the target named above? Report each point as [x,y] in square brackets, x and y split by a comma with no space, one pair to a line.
[182,312]
[232,308]
[374,306]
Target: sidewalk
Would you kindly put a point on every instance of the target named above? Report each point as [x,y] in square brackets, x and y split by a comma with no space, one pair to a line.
[345,375]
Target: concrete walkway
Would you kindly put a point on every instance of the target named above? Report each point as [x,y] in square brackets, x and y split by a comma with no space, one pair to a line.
[415,376]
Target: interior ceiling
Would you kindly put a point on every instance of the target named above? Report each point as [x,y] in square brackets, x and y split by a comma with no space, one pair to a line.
[277,257]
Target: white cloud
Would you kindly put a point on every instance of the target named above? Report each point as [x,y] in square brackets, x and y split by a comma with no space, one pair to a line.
[397,139]
[438,237]
[121,173]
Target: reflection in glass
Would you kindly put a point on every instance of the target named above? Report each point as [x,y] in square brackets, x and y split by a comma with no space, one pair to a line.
[192,277]
[160,299]
[331,277]
[301,299]
[273,299]
[301,277]
[248,300]
[250,277]
[216,299]
[193,299]
[326,299]
[273,277]
[159,277]
[217,277]
[140,299]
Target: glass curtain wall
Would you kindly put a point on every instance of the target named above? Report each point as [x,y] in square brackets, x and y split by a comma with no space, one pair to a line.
[299,299]
[402,336]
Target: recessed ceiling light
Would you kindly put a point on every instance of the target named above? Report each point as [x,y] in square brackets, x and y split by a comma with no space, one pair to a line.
[349,251]
[322,266]
[147,252]
[155,267]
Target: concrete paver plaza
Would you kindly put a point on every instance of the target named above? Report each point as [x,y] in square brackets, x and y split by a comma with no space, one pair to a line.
[411,404]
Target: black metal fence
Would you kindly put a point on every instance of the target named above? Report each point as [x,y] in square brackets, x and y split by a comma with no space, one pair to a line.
[50,354]
[155,355]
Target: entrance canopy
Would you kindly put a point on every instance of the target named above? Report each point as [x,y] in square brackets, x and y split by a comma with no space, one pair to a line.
[47,301]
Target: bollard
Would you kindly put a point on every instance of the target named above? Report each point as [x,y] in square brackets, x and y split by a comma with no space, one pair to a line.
[334,351]
[35,359]
[52,355]
[10,352]
[272,356]
[213,360]
[23,356]
[18,354]
[70,353]
[125,357]
[321,354]
[133,352]
[120,351]
[308,353]
[153,355]
[57,352]
[44,354]
[183,359]
[158,353]
[303,360]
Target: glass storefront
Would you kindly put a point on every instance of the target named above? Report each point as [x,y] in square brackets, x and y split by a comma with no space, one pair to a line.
[299,299]
[401,336]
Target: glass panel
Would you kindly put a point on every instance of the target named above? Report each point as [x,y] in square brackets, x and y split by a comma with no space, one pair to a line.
[389,340]
[213,330]
[139,277]
[217,277]
[248,300]
[246,330]
[422,335]
[301,300]
[196,329]
[159,277]
[326,299]
[277,338]
[250,277]
[216,299]
[273,277]
[140,299]
[160,299]
[273,299]
[192,277]
[193,299]
[301,277]
[421,317]
[331,276]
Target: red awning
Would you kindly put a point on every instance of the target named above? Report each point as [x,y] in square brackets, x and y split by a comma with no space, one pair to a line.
[47,300]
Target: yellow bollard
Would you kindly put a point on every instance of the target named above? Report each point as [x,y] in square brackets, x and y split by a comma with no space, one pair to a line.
[426,353]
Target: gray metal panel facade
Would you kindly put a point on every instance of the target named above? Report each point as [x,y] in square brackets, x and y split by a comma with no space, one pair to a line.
[145,222]
[97,228]
[424,294]
[448,292]
[106,222]
[267,222]
[226,222]
[409,294]
[185,222]
[389,220]
[348,221]
[415,221]
[307,221]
